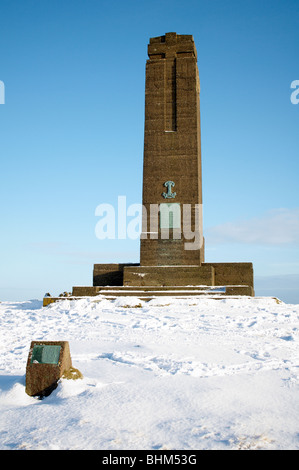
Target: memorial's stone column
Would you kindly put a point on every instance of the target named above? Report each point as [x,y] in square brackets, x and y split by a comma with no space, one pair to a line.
[172,155]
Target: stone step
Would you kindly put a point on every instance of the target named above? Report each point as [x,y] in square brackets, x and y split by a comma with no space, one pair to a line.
[146,296]
[157,293]
[152,290]
[159,288]
[164,290]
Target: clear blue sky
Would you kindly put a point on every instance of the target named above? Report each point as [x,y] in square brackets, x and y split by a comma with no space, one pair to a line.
[71,134]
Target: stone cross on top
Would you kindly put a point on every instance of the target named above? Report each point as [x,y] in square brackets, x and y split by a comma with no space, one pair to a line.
[172,45]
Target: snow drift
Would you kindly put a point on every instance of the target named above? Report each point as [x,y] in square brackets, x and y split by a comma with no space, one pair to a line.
[192,373]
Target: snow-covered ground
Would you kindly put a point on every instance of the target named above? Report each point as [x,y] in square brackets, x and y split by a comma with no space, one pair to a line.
[193,373]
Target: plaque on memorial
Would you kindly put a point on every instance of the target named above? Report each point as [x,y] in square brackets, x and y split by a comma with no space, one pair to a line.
[45,354]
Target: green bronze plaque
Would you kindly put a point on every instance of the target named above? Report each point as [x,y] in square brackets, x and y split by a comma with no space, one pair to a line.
[170,216]
[45,354]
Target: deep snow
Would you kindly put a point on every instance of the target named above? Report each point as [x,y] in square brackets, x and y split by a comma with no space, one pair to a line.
[193,373]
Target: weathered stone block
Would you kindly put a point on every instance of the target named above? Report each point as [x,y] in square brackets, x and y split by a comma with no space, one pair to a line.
[169,276]
[47,362]
[240,290]
[229,274]
[108,274]
[84,291]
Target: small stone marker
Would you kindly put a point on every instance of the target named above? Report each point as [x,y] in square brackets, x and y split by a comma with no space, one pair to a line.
[46,364]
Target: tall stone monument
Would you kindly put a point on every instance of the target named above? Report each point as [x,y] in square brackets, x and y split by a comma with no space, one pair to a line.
[172,248]
[171,242]
[172,151]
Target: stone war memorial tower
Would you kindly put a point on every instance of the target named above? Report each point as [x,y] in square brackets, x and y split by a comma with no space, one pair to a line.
[172,260]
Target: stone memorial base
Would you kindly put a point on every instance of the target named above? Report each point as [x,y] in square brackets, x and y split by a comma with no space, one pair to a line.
[209,274]
[146,282]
